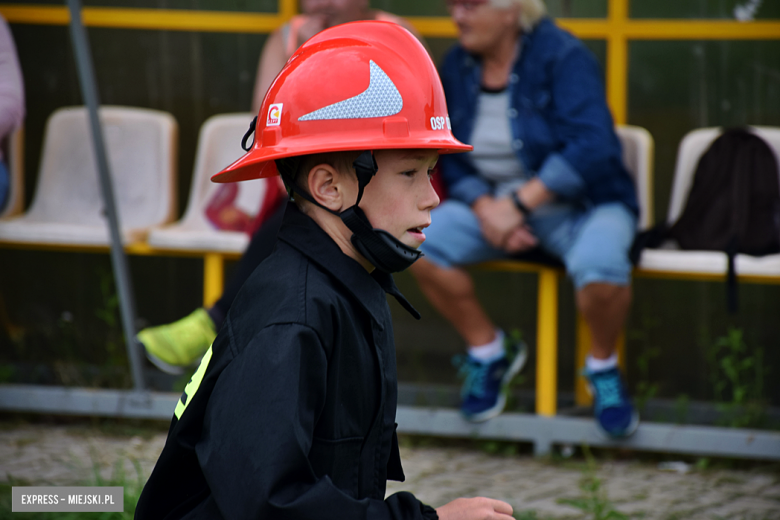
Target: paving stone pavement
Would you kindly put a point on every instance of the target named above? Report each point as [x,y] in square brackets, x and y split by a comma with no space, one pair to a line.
[68,455]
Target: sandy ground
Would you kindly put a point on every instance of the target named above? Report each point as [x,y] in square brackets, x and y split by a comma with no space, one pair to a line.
[60,455]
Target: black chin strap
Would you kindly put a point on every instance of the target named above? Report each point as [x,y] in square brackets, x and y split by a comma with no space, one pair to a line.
[365,168]
[383,250]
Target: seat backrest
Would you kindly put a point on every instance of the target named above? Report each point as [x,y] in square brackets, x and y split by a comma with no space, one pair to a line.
[15,161]
[141,147]
[219,144]
[638,149]
[692,147]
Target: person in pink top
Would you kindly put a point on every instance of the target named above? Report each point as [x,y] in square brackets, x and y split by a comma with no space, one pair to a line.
[11,102]
[317,15]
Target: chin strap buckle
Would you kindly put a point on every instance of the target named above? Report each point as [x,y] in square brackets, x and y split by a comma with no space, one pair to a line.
[249,132]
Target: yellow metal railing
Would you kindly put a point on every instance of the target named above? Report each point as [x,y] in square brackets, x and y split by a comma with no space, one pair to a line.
[617,29]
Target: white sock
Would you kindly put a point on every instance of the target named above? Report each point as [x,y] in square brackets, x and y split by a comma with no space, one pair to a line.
[490,351]
[597,365]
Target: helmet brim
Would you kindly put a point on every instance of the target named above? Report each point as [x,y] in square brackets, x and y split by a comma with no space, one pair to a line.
[254,165]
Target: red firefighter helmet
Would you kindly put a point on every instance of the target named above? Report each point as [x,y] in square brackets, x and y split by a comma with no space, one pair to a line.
[356,86]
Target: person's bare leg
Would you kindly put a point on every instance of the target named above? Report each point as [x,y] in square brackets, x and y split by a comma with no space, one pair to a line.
[451,292]
[605,309]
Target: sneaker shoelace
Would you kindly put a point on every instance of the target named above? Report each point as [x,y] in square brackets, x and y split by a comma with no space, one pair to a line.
[474,375]
[608,391]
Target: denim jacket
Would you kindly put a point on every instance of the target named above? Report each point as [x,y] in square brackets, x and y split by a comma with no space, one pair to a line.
[561,127]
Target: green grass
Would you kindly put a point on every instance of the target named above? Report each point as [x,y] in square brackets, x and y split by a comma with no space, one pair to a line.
[593,500]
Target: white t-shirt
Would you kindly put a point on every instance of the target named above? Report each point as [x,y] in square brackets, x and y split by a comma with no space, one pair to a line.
[493,155]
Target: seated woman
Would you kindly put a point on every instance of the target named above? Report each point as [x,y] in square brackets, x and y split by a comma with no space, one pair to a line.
[546,171]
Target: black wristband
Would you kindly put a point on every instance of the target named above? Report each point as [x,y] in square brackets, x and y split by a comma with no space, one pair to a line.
[519,204]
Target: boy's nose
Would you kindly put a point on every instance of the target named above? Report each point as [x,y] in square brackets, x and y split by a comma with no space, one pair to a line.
[431,198]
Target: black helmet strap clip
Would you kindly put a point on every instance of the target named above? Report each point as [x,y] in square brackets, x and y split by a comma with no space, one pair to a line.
[249,132]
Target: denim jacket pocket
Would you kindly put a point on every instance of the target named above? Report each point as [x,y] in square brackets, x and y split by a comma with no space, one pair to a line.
[340,460]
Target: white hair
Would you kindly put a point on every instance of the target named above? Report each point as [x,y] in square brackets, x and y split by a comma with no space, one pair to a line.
[531,11]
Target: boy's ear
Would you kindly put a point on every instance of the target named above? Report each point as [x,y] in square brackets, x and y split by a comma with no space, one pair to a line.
[325,186]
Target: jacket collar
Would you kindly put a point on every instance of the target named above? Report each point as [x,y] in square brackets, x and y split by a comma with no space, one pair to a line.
[303,234]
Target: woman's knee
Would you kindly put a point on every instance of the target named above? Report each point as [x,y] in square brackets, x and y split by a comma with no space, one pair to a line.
[600,254]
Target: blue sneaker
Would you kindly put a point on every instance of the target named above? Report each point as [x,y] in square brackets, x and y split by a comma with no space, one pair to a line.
[612,408]
[485,385]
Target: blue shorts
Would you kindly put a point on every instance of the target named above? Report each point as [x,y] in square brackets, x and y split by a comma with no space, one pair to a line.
[593,243]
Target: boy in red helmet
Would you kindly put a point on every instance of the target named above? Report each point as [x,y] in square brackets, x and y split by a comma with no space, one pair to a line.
[291,413]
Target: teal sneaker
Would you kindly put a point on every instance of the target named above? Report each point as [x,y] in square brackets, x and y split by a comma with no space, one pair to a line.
[612,408]
[485,385]
[179,344]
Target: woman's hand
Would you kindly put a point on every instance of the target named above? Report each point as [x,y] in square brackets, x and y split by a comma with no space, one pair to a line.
[479,508]
[497,218]
[500,220]
[520,239]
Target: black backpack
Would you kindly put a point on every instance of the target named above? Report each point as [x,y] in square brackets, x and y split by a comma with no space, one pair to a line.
[733,205]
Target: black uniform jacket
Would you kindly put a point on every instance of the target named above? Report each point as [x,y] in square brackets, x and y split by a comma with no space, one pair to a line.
[292,413]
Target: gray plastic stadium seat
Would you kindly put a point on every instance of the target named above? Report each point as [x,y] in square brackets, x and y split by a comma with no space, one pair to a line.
[637,144]
[219,144]
[669,259]
[68,208]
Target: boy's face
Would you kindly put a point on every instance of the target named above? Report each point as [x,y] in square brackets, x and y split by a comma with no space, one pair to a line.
[400,197]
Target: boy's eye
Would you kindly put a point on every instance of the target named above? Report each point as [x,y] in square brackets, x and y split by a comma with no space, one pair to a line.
[430,172]
[409,173]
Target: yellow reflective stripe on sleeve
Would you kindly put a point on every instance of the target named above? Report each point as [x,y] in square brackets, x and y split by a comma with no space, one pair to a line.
[193,385]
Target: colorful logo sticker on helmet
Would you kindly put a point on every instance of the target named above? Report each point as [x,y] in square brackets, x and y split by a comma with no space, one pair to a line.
[380,99]
[274,115]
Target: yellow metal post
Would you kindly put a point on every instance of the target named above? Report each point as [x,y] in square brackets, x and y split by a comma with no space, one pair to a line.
[213,276]
[547,343]
[617,60]
[288,9]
